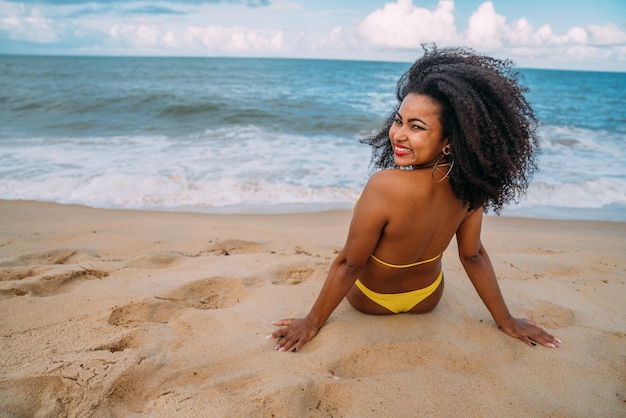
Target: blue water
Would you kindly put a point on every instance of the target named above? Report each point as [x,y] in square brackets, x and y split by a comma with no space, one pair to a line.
[236,135]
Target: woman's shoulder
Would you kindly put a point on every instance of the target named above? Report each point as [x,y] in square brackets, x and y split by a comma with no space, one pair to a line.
[391,185]
[388,174]
[384,180]
[393,179]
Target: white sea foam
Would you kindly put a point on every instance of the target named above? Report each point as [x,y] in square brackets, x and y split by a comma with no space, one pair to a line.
[136,191]
[250,167]
[243,166]
[589,194]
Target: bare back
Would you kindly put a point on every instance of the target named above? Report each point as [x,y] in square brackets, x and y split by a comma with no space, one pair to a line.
[403,217]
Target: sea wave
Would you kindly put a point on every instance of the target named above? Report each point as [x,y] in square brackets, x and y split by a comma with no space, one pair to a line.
[175,192]
[590,194]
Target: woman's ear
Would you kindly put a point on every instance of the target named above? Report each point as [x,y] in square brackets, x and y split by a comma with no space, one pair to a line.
[447,149]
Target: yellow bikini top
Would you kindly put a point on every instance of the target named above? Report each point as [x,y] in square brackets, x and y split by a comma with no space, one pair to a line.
[404,266]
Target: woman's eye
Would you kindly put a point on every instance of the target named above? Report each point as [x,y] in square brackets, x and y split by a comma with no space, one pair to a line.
[397,121]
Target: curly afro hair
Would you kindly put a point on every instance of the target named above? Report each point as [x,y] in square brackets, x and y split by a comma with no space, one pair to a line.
[490,125]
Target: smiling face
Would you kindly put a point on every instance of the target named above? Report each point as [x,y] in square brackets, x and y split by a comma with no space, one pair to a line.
[416,133]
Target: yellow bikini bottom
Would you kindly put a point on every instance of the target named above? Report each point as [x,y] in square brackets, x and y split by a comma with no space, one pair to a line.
[400,302]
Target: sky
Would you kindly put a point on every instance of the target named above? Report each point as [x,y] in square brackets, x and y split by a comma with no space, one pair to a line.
[557,34]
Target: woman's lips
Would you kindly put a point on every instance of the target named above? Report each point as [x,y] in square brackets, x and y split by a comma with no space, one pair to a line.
[400,150]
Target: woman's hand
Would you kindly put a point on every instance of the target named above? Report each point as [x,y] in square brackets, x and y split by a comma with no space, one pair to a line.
[297,333]
[529,332]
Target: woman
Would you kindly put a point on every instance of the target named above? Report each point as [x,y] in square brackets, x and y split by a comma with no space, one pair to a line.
[462,141]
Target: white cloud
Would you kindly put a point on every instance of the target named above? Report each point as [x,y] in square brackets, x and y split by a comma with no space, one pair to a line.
[169,40]
[233,39]
[403,25]
[608,34]
[394,31]
[245,40]
[577,35]
[27,24]
[486,27]
[489,32]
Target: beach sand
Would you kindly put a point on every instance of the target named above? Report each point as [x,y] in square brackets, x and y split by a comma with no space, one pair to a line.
[127,313]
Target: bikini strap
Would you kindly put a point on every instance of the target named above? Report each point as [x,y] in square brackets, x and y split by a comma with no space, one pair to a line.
[398,266]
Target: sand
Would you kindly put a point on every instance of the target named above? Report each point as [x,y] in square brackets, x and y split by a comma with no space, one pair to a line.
[127,313]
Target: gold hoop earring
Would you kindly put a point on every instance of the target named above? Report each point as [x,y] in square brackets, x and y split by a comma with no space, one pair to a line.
[437,167]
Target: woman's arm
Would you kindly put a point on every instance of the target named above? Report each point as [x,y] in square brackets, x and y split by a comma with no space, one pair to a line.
[368,220]
[478,267]
[340,279]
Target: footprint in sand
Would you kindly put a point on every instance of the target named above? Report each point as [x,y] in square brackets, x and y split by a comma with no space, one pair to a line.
[368,362]
[294,276]
[10,273]
[228,247]
[52,283]
[63,282]
[39,396]
[11,293]
[62,256]
[159,311]
[211,293]
[128,341]
[154,261]
[29,265]
[46,273]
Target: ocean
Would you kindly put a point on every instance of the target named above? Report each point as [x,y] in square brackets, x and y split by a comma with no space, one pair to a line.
[244,135]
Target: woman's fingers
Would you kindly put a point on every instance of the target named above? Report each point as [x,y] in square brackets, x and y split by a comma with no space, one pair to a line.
[283,331]
[531,333]
[285,344]
[294,334]
[528,341]
[548,340]
[283,322]
[285,341]
[540,336]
